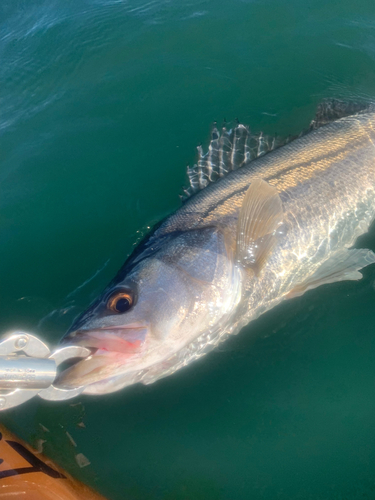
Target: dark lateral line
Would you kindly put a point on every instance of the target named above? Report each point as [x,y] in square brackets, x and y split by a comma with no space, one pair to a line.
[279,174]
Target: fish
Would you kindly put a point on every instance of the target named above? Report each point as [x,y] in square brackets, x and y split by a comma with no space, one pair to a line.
[263,220]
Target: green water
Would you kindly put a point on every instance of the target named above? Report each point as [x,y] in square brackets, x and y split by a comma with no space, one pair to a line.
[102,104]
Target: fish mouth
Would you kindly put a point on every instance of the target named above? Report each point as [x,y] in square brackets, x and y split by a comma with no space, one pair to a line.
[112,350]
[115,339]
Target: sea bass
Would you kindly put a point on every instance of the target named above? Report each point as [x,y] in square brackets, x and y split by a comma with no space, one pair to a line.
[255,230]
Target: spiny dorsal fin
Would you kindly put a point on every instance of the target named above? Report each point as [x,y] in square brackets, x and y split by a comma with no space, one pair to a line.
[228,150]
[232,148]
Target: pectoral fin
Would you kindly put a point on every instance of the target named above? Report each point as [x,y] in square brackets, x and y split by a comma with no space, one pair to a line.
[344,265]
[260,215]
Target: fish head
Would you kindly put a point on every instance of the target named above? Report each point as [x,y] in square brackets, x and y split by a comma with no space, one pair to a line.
[162,300]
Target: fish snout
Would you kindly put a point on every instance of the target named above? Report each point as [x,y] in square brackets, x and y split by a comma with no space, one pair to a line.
[112,349]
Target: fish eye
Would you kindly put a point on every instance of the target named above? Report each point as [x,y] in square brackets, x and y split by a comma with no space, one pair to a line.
[120,302]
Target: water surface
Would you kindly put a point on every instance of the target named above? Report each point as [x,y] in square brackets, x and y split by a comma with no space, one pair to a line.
[102,104]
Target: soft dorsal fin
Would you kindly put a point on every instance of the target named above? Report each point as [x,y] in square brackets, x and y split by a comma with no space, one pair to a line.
[260,215]
[230,149]
[330,110]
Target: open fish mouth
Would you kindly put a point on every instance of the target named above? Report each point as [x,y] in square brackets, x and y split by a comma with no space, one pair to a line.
[112,349]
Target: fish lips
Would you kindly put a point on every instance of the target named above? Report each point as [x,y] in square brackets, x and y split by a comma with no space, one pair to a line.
[111,349]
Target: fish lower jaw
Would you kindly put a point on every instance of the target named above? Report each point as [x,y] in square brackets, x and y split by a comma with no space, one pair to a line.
[142,372]
[108,385]
[107,371]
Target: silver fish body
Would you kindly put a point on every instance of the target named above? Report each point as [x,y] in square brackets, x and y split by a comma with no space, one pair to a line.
[191,288]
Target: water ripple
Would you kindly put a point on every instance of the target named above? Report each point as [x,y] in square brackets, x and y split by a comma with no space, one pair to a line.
[45,45]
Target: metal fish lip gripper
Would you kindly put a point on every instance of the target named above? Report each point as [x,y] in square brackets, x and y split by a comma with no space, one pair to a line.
[28,368]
